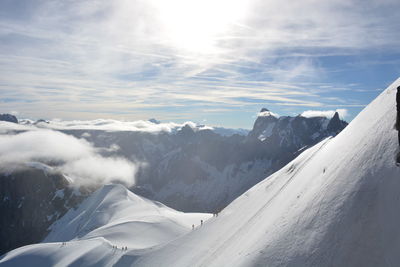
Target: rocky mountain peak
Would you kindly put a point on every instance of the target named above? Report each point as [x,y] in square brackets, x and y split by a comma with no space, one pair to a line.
[296,131]
[153,120]
[8,117]
[264,120]
[336,124]
[186,131]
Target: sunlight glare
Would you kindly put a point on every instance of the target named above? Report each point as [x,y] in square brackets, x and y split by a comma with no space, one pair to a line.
[196,26]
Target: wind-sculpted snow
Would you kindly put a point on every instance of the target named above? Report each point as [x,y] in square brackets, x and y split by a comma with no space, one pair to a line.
[96,232]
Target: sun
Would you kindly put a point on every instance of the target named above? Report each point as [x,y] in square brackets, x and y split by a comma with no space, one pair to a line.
[198,26]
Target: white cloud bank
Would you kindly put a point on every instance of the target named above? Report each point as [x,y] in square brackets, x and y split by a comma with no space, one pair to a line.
[77,158]
[325,113]
[114,125]
[110,125]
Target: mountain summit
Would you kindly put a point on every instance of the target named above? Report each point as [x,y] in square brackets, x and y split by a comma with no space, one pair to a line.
[8,117]
[335,123]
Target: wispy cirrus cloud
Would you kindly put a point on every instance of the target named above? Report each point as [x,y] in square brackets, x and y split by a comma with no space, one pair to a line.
[140,59]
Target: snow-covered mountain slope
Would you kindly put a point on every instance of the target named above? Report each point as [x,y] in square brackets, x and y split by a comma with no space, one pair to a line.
[337,204]
[112,216]
[334,205]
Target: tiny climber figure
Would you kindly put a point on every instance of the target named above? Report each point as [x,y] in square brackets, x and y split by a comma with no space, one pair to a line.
[201,222]
[398,121]
[192,226]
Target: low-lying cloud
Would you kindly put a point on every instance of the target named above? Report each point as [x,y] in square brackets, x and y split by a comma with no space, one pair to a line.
[109,125]
[115,125]
[77,158]
[325,113]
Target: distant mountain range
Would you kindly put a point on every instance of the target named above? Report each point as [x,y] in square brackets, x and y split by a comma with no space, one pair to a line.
[193,168]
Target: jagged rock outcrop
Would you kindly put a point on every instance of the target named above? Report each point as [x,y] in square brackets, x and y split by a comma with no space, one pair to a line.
[299,130]
[263,125]
[336,124]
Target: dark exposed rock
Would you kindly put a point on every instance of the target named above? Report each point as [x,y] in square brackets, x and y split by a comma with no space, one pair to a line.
[8,117]
[154,121]
[263,121]
[335,124]
[30,201]
[186,132]
[294,131]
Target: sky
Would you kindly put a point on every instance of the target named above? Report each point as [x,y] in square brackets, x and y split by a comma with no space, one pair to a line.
[216,62]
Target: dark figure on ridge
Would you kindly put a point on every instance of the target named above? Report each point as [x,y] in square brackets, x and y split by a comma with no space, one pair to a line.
[398,121]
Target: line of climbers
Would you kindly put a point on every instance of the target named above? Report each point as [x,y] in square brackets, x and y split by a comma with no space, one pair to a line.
[63,244]
[122,248]
[201,221]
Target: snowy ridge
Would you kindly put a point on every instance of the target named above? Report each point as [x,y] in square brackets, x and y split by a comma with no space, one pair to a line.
[113,210]
[112,216]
